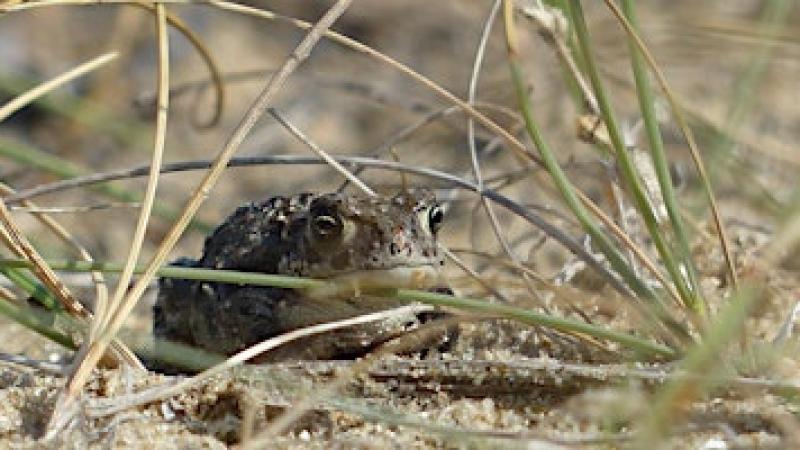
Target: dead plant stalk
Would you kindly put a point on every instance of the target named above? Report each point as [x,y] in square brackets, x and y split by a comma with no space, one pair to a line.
[261,103]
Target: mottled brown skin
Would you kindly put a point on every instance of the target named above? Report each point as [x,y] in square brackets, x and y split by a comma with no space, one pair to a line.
[331,236]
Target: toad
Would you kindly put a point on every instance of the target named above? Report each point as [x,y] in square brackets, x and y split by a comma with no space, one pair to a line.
[364,242]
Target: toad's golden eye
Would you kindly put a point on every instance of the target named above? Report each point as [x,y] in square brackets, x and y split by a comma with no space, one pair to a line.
[435,218]
[326,226]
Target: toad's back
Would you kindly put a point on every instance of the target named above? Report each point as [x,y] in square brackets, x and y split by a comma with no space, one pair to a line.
[365,241]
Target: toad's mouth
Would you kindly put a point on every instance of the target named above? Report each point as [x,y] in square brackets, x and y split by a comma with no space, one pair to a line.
[363,281]
[400,277]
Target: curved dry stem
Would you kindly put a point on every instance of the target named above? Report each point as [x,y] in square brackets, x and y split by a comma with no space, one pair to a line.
[523,212]
[103,326]
[473,151]
[453,180]
[105,315]
[208,59]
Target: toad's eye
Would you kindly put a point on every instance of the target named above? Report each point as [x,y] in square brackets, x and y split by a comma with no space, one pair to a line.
[435,218]
[327,227]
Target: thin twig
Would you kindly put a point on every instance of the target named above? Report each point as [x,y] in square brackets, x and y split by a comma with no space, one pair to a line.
[32,209]
[44,366]
[472,273]
[321,153]
[473,151]
[490,214]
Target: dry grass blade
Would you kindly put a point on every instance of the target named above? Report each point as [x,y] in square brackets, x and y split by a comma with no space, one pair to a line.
[101,332]
[476,168]
[514,143]
[116,405]
[256,110]
[31,95]
[299,408]
[18,243]
[101,290]
[44,366]
[10,237]
[471,273]
[106,313]
[32,209]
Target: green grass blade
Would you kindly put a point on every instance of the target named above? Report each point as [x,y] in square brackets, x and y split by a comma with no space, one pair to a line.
[632,342]
[560,179]
[692,299]
[647,106]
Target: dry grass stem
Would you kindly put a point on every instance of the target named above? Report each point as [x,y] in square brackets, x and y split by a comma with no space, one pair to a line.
[39,91]
[473,151]
[32,209]
[19,244]
[105,313]
[101,331]
[101,290]
[113,406]
[251,117]
[471,273]
[301,407]
[44,366]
